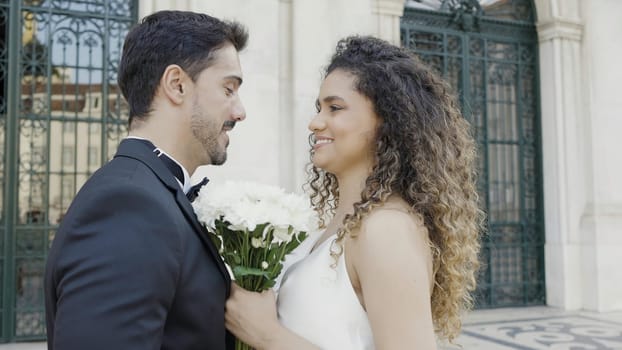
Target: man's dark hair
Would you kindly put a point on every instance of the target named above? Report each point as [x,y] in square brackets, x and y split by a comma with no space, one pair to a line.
[163,38]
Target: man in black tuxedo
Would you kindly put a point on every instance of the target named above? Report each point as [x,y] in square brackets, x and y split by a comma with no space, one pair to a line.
[130,266]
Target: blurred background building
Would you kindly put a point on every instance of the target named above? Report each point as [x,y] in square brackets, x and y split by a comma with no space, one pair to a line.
[537,79]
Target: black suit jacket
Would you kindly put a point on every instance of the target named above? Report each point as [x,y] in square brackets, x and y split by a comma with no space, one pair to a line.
[131,267]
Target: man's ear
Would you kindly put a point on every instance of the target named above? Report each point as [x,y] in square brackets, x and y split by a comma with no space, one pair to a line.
[174,83]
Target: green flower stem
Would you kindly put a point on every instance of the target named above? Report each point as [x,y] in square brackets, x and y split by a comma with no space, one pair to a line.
[256,253]
[245,255]
[239,345]
[260,286]
[279,257]
[246,261]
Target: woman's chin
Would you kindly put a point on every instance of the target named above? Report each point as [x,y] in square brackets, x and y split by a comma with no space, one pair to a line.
[318,162]
[322,166]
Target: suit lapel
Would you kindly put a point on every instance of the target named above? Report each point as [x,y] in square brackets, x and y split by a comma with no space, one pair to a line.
[140,150]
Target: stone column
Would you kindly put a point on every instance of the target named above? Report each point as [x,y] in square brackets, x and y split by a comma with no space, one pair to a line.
[564,144]
[287,138]
[581,152]
[601,222]
[388,14]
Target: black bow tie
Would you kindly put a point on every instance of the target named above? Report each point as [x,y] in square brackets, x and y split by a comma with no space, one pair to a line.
[176,170]
[194,190]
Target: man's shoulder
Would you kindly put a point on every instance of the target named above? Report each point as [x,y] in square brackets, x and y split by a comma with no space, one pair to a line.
[120,183]
[122,172]
[124,167]
[120,193]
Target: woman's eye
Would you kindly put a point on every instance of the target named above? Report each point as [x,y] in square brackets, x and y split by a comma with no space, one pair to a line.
[228,91]
[334,108]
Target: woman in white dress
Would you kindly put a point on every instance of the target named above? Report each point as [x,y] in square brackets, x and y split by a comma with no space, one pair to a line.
[393,176]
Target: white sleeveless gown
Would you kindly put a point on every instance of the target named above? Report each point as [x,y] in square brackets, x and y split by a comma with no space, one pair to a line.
[318,303]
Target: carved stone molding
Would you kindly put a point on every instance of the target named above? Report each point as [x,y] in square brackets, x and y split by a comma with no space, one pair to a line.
[560,28]
[389,7]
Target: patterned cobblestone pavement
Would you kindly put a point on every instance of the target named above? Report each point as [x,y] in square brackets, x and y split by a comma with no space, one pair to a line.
[533,328]
[540,328]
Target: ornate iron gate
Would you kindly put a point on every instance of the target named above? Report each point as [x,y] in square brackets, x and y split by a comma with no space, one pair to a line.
[61,116]
[487,50]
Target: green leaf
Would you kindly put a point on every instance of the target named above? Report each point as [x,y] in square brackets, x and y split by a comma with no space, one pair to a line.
[241,271]
[296,240]
[258,232]
[232,258]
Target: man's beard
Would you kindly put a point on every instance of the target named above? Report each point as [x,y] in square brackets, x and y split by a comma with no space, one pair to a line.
[207,133]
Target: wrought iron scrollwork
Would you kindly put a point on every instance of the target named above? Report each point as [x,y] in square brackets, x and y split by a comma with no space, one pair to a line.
[465,12]
[68,117]
[511,10]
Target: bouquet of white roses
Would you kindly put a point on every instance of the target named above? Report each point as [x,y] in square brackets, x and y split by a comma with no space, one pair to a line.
[254,226]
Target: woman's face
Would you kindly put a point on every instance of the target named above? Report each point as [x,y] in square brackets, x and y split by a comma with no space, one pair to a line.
[344,128]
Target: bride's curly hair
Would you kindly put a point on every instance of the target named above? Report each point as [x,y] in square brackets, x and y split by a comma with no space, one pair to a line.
[425,154]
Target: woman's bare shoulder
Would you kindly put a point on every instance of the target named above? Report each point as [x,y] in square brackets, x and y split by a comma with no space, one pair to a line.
[395,214]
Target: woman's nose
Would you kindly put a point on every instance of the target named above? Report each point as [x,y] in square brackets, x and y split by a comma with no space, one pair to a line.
[316,123]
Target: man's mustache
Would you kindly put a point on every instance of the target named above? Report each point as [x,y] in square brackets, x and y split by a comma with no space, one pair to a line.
[229,125]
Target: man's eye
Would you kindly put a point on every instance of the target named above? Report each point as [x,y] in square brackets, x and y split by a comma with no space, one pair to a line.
[228,91]
[334,108]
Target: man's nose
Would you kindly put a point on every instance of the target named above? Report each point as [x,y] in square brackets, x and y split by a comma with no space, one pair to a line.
[239,113]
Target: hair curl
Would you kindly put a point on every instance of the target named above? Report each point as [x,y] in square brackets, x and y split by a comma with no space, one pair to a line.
[425,154]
